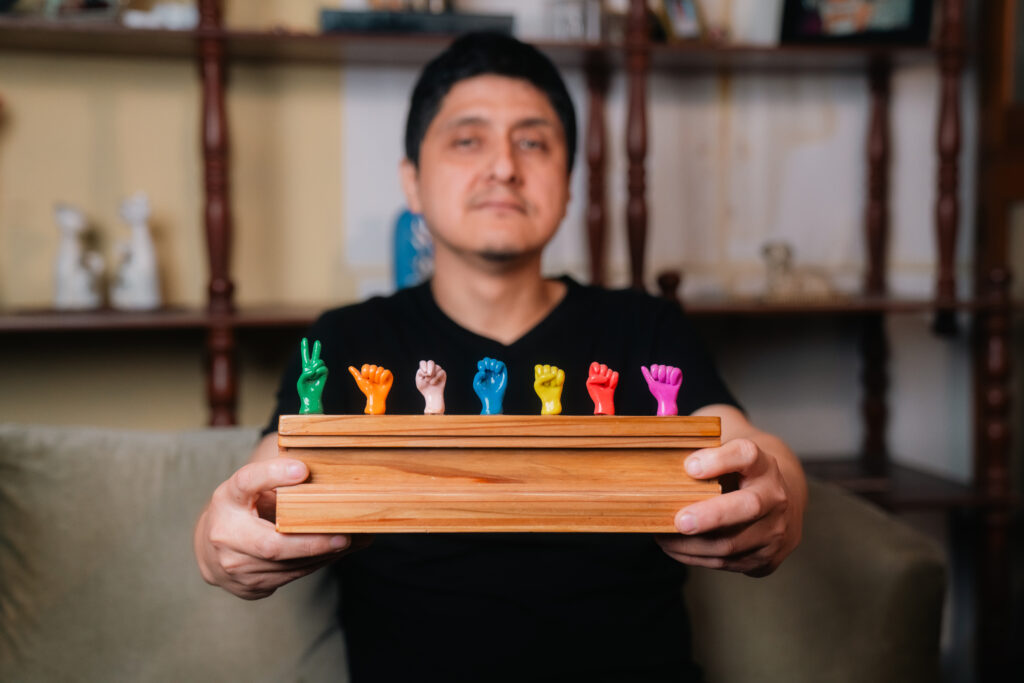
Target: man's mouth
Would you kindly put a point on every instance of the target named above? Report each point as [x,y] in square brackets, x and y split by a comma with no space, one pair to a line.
[500,205]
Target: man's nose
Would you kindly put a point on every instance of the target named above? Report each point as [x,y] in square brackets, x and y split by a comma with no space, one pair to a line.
[504,167]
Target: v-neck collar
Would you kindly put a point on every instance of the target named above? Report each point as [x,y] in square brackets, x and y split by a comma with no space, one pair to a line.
[467,337]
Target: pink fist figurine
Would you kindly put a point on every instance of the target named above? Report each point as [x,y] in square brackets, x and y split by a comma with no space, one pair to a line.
[601,385]
[664,382]
[430,379]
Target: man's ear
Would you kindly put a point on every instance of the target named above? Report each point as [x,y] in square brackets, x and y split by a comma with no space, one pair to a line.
[409,175]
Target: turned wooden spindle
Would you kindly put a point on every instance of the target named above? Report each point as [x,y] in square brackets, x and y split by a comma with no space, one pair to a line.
[874,346]
[222,379]
[637,63]
[221,375]
[668,285]
[877,215]
[597,223]
[951,63]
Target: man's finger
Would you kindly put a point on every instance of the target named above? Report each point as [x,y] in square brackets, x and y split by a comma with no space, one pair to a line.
[271,546]
[728,542]
[245,485]
[738,455]
[727,510]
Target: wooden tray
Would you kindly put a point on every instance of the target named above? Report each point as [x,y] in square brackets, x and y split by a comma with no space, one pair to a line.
[483,473]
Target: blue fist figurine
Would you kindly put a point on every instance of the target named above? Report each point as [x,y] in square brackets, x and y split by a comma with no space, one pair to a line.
[489,385]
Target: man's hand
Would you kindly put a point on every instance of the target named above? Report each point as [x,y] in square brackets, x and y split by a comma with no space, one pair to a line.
[375,383]
[664,382]
[547,382]
[601,383]
[752,529]
[240,551]
[430,380]
[489,384]
[311,382]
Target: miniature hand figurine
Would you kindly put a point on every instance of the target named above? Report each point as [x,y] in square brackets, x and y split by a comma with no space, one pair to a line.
[664,382]
[430,379]
[311,381]
[375,383]
[489,385]
[601,385]
[547,382]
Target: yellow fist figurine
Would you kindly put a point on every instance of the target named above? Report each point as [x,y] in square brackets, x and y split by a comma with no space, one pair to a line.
[547,382]
[375,383]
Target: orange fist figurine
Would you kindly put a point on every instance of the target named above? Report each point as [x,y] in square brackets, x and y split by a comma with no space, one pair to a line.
[375,383]
[601,383]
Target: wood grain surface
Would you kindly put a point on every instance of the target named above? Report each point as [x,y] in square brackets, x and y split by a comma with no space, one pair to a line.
[423,473]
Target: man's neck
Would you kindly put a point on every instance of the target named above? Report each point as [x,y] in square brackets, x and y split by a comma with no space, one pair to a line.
[501,303]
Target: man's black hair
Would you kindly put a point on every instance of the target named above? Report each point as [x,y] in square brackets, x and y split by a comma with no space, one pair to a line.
[477,54]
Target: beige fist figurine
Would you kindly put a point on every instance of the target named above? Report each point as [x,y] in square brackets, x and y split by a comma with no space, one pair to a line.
[430,379]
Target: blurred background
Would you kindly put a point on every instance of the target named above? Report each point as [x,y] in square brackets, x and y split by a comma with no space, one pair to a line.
[762,120]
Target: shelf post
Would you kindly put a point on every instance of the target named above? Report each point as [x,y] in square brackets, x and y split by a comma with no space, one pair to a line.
[220,348]
[874,345]
[597,223]
[947,210]
[638,57]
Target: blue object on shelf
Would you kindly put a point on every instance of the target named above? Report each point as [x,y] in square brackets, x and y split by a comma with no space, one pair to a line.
[414,250]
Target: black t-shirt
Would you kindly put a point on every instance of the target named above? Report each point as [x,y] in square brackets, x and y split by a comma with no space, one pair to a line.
[489,607]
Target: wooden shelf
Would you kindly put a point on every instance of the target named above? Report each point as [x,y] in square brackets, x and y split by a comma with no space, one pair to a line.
[49,320]
[39,35]
[846,305]
[300,317]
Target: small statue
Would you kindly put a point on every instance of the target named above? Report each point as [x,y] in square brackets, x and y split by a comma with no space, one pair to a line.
[664,382]
[489,384]
[547,382]
[311,382]
[136,285]
[78,270]
[601,385]
[375,383]
[430,380]
[783,282]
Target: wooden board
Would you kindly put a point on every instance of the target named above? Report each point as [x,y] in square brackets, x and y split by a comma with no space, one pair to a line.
[472,473]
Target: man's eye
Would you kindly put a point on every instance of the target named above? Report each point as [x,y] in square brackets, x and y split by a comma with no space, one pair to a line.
[532,144]
[466,143]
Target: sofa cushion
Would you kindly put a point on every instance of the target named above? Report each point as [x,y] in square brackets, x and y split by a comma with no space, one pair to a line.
[97,577]
[859,600]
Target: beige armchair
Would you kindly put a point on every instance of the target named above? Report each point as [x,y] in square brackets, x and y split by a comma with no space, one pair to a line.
[98,582]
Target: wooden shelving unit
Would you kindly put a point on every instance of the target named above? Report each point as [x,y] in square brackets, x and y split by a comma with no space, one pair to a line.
[989,307]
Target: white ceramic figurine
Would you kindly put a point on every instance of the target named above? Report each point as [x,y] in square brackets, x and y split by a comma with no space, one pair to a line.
[136,285]
[78,271]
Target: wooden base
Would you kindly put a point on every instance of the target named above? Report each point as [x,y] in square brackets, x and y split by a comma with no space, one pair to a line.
[472,473]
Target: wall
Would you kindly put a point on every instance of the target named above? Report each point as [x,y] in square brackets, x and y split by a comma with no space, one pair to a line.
[738,160]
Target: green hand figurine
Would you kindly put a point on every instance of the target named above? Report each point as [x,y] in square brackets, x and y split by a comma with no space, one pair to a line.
[311,381]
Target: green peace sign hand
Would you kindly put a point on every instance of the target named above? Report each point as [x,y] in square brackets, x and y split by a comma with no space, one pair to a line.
[311,381]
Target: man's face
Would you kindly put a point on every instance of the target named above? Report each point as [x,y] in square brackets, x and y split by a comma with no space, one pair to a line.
[492,183]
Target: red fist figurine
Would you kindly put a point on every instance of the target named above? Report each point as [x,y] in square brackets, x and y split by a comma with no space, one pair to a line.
[601,385]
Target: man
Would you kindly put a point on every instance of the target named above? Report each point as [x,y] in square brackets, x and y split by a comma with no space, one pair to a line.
[489,143]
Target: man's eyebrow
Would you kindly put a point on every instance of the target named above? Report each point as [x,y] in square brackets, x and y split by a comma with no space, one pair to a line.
[534,123]
[472,120]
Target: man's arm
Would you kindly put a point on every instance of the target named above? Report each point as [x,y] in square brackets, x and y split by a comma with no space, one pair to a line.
[752,529]
[235,542]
